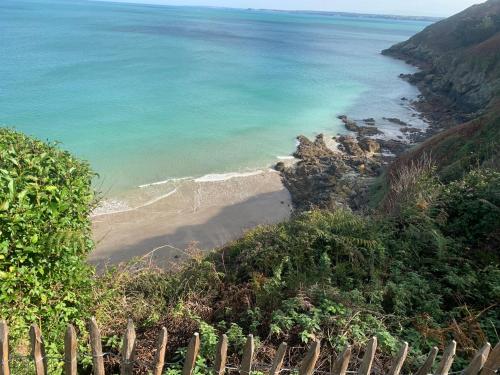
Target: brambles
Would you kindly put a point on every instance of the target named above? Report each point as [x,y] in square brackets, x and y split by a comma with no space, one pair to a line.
[424,272]
[344,278]
[45,201]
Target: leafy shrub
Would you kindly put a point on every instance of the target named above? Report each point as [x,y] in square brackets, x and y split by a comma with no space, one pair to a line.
[45,235]
[314,246]
[470,207]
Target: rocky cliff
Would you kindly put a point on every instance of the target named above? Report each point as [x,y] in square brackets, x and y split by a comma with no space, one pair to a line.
[459,59]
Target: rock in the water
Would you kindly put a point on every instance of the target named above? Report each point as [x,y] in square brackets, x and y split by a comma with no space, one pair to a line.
[307,150]
[280,166]
[363,131]
[369,145]
[349,124]
[350,146]
[367,131]
[392,145]
[396,121]
[313,178]
[324,178]
[408,129]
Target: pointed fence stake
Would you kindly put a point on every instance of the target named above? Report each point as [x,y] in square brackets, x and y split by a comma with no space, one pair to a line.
[4,348]
[192,353]
[278,359]
[447,360]
[399,361]
[96,346]
[427,366]
[493,362]
[70,347]
[161,347]
[128,350]
[247,359]
[307,366]
[342,362]
[38,350]
[221,356]
[366,364]
[478,361]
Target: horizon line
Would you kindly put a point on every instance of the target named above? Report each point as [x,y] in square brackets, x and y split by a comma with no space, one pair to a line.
[357,13]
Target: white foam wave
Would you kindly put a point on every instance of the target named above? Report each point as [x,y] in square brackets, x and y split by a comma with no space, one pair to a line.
[113,206]
[226,176]
[149,203]
[164,182]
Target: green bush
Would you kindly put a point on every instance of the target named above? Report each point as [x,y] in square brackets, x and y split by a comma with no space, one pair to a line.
[45,235]
[470,207]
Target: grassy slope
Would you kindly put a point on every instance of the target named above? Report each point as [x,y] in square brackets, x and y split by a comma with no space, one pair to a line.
[425,272]
[425,269]
[460,56]
[457,150]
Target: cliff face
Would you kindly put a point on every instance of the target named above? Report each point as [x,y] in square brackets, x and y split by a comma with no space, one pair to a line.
[459,58]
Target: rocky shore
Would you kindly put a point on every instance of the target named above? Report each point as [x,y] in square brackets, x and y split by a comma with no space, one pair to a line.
[334,174]
[454,88]
[337,171]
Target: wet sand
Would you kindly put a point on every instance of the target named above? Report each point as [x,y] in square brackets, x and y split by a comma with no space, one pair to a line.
[199,213]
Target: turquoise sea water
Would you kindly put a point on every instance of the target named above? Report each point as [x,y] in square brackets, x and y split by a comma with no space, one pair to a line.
[147,93]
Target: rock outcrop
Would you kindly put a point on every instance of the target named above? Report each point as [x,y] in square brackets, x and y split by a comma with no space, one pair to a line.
[459,59]
[326,178]
[363,131]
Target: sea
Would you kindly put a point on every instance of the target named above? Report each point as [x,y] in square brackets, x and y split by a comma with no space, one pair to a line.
[152,93]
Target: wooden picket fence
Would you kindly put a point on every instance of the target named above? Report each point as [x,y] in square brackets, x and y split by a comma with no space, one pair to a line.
[485,361]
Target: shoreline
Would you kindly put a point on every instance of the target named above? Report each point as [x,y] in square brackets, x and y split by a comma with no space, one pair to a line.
[134,222]
[202,214]
[166,217]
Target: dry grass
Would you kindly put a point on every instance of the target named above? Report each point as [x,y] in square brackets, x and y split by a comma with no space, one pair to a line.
[405,183]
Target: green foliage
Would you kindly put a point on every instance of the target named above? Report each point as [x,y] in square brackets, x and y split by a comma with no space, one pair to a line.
[410,274]
[470,207]
[425,270]
[299,251]
[45,201]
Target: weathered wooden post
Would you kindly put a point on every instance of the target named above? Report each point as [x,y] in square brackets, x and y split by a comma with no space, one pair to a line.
[70,348]
[307,366]
[221,355]
[128,350]
[427,366]
[342,362]
[278,360]
[447,360]
[400,359]
[38,351]
[478,361]
[247,359]
[192,353]
[161,347]
[366,364]
[4,348]
[493,362]
[96,346]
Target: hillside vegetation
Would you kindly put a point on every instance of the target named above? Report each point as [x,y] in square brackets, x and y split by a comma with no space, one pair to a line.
[422,265]
[45,237]
[459,57]
[424,273]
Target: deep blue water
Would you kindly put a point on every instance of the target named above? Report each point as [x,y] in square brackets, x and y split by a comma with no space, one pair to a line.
[147,92]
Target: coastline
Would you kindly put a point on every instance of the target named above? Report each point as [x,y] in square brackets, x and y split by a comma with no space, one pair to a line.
[202,213]
[162,219]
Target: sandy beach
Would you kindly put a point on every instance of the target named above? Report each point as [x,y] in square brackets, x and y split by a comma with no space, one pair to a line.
[205,213]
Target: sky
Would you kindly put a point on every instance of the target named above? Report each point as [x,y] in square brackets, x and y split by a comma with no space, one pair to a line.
[439,8]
